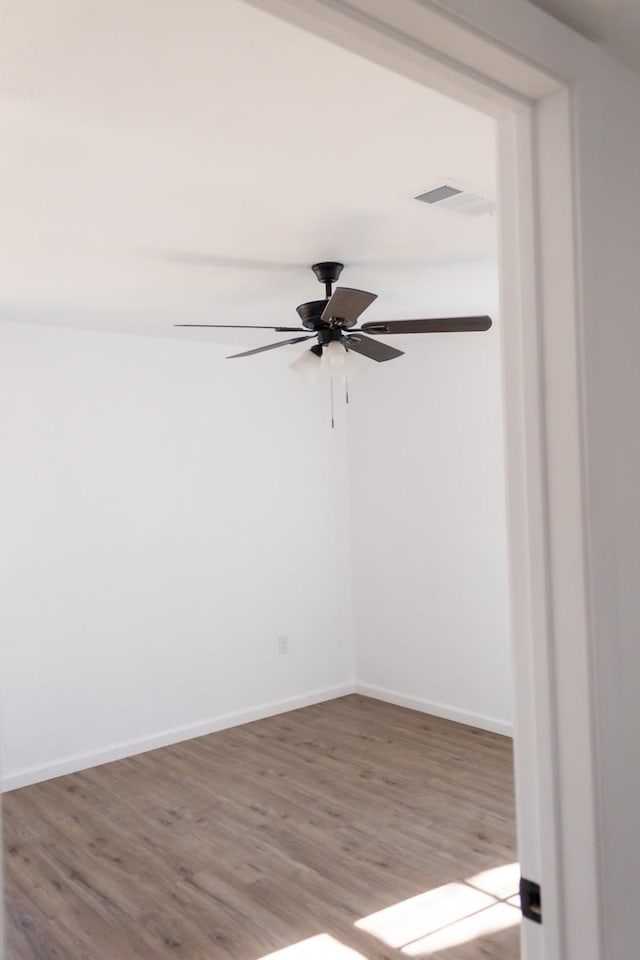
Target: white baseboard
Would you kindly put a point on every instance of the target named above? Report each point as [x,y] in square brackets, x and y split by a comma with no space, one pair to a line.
[492,724]
[129,748]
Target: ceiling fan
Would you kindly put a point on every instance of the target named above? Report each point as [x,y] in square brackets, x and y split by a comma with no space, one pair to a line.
[331,322]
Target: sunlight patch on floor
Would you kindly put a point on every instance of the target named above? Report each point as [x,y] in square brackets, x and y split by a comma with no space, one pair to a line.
[322,947]
[410,919]
[439,919]
[449,915]
[501,882]
[498,917]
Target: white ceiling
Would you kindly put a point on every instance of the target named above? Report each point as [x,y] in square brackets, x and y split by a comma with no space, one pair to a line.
[613,23]
[136,132]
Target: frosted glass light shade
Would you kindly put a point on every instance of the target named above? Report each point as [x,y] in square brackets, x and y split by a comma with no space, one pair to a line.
[336,353]
[307,365]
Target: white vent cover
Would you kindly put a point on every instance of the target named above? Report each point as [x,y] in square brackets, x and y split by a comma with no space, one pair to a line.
[457,198]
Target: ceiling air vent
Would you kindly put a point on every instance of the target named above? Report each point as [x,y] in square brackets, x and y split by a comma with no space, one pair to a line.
[449,196]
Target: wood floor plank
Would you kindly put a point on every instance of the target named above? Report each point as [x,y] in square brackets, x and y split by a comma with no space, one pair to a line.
[241,843]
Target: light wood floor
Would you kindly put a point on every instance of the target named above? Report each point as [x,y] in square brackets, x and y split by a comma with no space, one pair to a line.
[241,843]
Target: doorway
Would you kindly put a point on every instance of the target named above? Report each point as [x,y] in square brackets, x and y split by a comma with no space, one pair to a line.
[528,491]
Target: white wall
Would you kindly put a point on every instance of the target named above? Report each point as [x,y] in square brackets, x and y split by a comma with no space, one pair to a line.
[166,515]
[428,514]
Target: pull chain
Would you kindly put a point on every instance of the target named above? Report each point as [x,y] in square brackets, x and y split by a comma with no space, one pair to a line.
[346,398]
[333,423]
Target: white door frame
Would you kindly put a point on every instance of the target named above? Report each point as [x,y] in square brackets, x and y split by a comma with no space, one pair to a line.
[517,64]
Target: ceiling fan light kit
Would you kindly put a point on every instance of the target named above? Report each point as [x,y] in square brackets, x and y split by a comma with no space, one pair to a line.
[335,353]
[308,365]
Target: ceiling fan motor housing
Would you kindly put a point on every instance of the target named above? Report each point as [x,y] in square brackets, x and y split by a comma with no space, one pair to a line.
[311,315]
[311,312]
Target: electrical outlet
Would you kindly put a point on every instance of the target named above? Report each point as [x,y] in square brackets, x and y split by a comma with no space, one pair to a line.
[283,645]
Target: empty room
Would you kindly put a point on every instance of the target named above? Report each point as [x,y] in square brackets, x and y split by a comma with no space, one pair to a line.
[266,632]
[260,672]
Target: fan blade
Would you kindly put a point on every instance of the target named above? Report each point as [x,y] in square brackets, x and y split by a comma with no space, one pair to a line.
[240,326]
[271,346]
[347,304]
[435,325]
[373,349]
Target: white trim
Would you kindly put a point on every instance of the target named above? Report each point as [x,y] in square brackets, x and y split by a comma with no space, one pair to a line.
[129,748]
[425,43]
[492,724]
[522,292]
[569,666]
[529,33]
